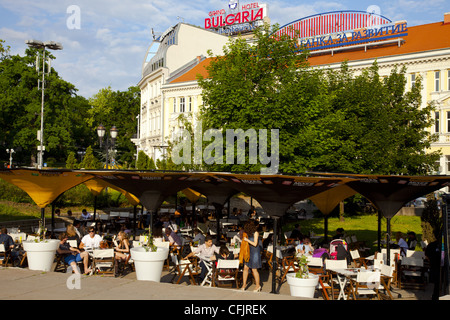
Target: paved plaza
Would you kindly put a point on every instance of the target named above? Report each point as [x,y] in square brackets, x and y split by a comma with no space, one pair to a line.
[25,284]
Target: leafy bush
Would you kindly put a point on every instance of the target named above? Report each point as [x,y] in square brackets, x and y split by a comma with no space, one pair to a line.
[10,192]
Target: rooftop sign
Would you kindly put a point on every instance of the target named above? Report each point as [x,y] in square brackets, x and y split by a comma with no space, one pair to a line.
[239,18]
[333,29]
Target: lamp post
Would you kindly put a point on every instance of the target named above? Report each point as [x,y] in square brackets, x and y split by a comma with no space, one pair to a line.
[101,131]
[10,151]
[42,45]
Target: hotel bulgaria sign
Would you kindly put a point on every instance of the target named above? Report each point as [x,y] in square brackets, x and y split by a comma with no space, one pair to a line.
[238,18]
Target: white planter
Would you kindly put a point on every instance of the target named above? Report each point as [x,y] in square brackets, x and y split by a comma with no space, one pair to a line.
[41,255]
[302,287]
[149,264]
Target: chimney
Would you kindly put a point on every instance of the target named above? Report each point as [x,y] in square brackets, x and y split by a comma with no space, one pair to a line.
[446,17]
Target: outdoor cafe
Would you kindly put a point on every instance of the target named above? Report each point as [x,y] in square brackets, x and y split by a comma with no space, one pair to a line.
[349,278]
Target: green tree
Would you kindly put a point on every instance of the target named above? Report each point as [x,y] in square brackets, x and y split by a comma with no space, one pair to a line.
[116,108]
[90,161]
[142,160]
[71,162]
[328,120]
[151,164]
[20,109]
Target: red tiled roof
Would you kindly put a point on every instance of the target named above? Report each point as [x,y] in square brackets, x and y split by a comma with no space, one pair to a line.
[420,38]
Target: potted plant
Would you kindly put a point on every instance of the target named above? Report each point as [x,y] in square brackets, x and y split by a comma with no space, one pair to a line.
[302,283]
[41,251]
[149,260]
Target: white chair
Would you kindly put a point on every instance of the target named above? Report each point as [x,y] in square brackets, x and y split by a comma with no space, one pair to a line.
[335,264]
[415,254]
[208,280]
[124,214]
[387,274]
[103,261]
[366,285]
[32,238]
[73,243]
[412,273]
[227,272]
[137,244]
[3,255]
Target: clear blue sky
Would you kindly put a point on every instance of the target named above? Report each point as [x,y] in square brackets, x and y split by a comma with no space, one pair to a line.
[109,46]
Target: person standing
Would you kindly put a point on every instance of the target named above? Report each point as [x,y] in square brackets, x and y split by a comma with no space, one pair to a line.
[254,261]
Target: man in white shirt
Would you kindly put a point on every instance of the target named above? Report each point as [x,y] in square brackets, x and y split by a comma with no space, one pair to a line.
[206,252]
[91,240]
[402,244]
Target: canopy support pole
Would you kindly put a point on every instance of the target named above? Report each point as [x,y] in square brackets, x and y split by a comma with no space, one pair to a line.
[388,241]
[274,255]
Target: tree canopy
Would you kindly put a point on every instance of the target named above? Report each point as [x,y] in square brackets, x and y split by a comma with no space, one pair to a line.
[328,120]
[70,120]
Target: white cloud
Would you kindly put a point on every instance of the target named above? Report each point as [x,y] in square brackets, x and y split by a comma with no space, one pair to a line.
[114,35]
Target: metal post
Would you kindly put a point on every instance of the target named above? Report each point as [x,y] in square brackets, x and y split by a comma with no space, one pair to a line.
[388,241]
[41,151]
[274,256]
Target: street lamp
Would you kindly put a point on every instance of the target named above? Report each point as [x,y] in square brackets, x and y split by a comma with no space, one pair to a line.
[42,45]
[10,151]
[101,131]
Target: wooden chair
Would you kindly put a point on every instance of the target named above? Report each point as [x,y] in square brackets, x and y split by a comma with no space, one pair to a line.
[315,266]
[412,273]
[357,259]
[386,277]
[5,255]
[226,273]
[332,277]
[365,286]
[288,264]
[182,266]
[103,261]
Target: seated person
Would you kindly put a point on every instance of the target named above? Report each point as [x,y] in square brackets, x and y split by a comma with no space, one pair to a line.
[305,248]
[206,252]
[91,240]
[199,238]
[85,215]
[412,240]
[225,254]
[339,234]
[173,238]
[122,251]
[296,234]
[72,255]
[8,242]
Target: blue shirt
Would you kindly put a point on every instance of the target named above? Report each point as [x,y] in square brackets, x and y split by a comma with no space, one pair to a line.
[7,240]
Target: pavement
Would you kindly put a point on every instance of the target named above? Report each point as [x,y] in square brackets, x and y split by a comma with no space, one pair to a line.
[25,284]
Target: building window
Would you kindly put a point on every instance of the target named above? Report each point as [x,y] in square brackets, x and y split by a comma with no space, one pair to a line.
[174,104]
[190,104]
[448,80]
[447,164]
[182,104]
[413,79]
[436,122]
[448,121]
[437,85]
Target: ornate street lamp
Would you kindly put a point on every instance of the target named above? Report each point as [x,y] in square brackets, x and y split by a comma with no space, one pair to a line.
[110,141]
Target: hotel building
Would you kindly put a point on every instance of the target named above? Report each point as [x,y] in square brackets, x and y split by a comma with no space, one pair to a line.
[357,37]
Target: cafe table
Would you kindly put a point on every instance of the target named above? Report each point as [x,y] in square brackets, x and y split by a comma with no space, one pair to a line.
[343,277]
